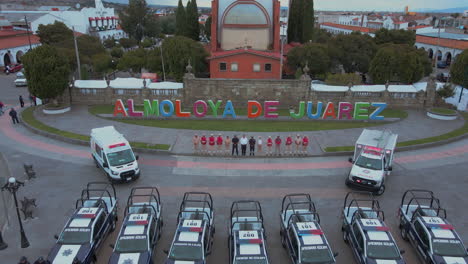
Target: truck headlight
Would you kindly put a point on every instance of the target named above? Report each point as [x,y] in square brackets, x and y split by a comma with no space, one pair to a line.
[114,172]
[137,169]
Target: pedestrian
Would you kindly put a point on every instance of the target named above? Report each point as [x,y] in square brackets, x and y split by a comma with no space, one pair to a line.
[23,260]
[35,100]
[14,116]
[195,141]
[219,143]
[31,99]
[235,141]
[244,141]
[259,144]
[21,101]
[40,260]
[305,143]
[278,146]
[269,145]
[252,146]
[227,144]
[211,142]
[1,108]
[298,142]
[203,144]
[288,144]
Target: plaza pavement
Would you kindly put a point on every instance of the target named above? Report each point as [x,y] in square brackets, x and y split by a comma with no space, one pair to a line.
[416,126]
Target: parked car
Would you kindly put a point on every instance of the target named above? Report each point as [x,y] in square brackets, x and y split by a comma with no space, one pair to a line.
[13,68]
[20,80]
[443,76]
[441,65]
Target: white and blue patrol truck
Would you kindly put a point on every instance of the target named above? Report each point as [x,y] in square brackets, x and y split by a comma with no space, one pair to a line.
[301,234]
[94,218]
[141,228]
[113,153]
[193,238]
[423,223]
[372,160]
[365,231]
[247,240]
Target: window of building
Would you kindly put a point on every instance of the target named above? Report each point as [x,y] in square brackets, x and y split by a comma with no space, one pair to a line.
[222,66]
[256,67]
[268,67]
[234,67]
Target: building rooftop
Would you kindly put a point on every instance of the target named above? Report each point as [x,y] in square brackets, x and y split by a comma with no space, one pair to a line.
[353,28]
[13,38]
[446,35]
[444,42]
[226,53]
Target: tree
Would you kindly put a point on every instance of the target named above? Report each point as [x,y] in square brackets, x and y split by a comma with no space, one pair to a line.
[88,46]
[354,51]
[459,70]
[181,23]
[168,24]
[398,63]
[109,43]
[394,36]
[455,15]
[146,43]
[343,79]
[154,62]
[308,20]
[56,34]
[177,53]
[47,72]
[313,54]
[208,27]
[191,16]
[133,60]
[301,21]
[127,43]
[116,52]
[102,63]
[138,21]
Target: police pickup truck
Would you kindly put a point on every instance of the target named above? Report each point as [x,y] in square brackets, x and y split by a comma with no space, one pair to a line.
[94,218]
[300,231]
[247,240]
[141,228]
[365,231]
[193,238]
[423,222]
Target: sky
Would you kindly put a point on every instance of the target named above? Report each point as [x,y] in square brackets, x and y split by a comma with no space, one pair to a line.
[355,5]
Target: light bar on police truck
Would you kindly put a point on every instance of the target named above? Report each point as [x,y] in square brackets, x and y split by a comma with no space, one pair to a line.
[249,237]
[373,225]
[192,226]
[87,212]
[117,145]
[138,219]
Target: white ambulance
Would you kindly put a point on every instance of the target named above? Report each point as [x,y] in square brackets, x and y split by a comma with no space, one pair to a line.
[113,153]
[372,160]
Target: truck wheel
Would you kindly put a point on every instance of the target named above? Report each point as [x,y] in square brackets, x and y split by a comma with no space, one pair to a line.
[404,233]
[283,242]
[381,190]
[345,237]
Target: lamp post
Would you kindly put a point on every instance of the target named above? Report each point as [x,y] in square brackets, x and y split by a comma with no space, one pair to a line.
[12,186]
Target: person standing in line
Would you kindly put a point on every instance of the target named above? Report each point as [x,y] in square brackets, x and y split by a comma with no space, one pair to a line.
[34,100]
[305,143]
[211,142]
[21,101]
[288,145]
[1,108]
[195,141]
[235,141]
[227,144]
[298,142]
[23,260]
[41,260]
[259,144]
[30,100]
[269,146]
[278,146]
[14,116]
[203,144]
[219,143]
[252,146]
[244,141]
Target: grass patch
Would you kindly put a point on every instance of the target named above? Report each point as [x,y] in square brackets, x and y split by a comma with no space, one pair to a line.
[28,117]
[442,111]
[109,109]
[455,133]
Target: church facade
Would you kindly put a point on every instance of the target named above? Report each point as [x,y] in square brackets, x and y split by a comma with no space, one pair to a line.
[245,39]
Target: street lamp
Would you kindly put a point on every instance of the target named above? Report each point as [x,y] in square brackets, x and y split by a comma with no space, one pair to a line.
[12,186]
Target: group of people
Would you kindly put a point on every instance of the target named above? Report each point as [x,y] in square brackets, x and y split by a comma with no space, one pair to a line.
[13,114]
[219,145]
[40,260]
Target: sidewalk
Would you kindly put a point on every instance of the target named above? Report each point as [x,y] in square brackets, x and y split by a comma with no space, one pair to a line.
[416,126]
[5,196]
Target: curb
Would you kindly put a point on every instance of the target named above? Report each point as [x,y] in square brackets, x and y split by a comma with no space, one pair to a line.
[82,142]
[6,202]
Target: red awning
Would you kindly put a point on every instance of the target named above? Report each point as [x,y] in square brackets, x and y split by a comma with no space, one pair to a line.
[91,18]
[98,18]
[108,18]
[103,18]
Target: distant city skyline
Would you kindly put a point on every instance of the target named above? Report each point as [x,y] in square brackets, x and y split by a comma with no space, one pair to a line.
[346,5]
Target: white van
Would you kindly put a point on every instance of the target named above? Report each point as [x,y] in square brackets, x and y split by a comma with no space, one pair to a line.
[113,153]
[372,160]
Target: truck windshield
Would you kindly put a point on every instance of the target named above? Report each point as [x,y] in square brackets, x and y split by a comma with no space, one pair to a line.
[120,157]
[382,250]
[131,244]
[448,247]
[186,251]
[76,236]
[316,254]
[369,163]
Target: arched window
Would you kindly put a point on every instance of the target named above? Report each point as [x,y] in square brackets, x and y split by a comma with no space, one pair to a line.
[245,14]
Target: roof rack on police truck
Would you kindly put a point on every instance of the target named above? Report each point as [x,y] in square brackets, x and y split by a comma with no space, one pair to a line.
[420,200]
[362,205]
[300,204]
[142,199]
[105,193]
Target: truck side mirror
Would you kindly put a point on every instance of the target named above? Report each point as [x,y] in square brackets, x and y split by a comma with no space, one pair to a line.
[112,246]
[390,168]
[350,160]
[137,156]
[402,251]
[105,165]
[335,254]
[56,236]
[166,251]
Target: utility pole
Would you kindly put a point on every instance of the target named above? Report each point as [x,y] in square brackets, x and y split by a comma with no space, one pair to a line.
[162,60]
[283,38]
[77,54]
[27,29]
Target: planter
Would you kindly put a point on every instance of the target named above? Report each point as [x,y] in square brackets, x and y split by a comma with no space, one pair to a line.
[442,116]
[56,111]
